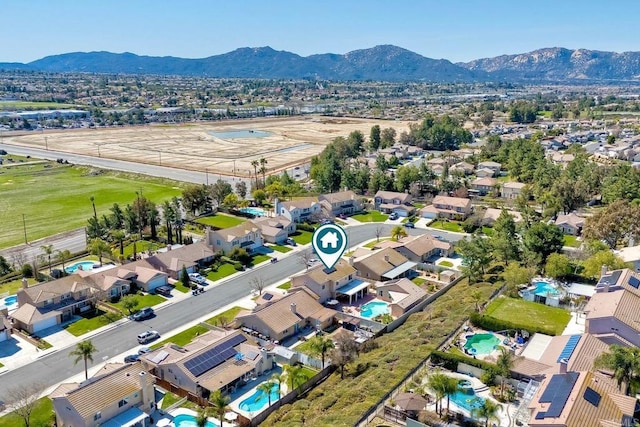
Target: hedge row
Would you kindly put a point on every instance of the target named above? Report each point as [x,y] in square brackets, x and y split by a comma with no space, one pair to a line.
[450,361]
[306,227]
[492,324]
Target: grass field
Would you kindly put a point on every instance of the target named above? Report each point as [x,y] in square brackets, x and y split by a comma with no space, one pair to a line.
[418,280]
[221,221]
[141,246]
[280,248]
[13,286]
[223,271]
[447,226]
[285,285]
[228,316]
[571,241]
[88,324]
[258,259]
[41,416]
[372,216]
[47,191]
[147,300]
[529,313]
[27,105]
[182,338]
[446,263]
[170,398]
[302,237]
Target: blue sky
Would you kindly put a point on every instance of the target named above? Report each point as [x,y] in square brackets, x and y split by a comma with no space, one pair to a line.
[458,30]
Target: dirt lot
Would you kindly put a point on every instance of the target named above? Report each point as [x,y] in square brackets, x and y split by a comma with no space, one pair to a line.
[283,142]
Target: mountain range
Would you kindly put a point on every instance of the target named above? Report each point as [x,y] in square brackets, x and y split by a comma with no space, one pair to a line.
[382,63]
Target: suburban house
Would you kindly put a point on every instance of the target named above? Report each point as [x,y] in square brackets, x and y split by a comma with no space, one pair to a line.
[512,189]
[462,167]
[420,249]
[580,399]
[447,207]
[117,395]
[631,255]
[109,282]
[299,210]
[216,360]
[246,235]
[492,166]
[491,216]
[275,230]
[342,203]
[391,201]
[437,161]
[570,224]
[483,186]
[143,274]
[401,294]
[50,303]
[192,257]
[341,281]
[383,265]
[484,173]
[287,316]
[613,312]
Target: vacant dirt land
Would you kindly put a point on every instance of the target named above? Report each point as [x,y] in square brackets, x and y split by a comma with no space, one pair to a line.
[282,142]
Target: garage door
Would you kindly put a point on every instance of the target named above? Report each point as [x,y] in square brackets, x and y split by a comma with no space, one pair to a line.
[44,324]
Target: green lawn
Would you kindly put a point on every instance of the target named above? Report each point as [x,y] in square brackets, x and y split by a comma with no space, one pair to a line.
[63,191]
[221,220]
[182,288]
[170,398]
[571,241]
[371,216]
[182,338]
[147,300]
[257,259]
[446,263]
[141,246]
[32,105]
[285,285]
[302,237]
[418,280]
[529,313]
[370,245]
[488,231]
[447,226]
[90,323]
[41,416]
[280,248]
[14,286]
[227,315]
[223,271]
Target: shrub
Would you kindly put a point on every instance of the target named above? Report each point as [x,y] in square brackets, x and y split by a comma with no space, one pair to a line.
[240,255]
[450,361]
[238,267]
[305,227]
[27,270]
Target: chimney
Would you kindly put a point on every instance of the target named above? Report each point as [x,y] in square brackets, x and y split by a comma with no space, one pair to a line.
[146,390]
[294,308]
[603,270]
[563,366]
[25,283]
[351,258]
[276,206]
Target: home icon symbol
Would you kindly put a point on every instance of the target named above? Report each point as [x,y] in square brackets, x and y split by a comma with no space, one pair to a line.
[329,240]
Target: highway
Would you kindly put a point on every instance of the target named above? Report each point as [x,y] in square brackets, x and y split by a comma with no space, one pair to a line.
[57,366]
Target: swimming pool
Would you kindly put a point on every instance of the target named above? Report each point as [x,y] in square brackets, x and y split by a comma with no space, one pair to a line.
[253,211]
[259,400]
[83,265]
[544,289]
[10,300]
[481,343]
[186,420]
[373,309]
[467,399]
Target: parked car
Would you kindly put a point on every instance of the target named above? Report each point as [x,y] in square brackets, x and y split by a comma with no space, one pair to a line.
[326,221]
[148,336]
[342,216]
[163,290]
[144,313]
[197,278]
[409,225]
[291,242]
[144,350]
[131,358]
[393,215]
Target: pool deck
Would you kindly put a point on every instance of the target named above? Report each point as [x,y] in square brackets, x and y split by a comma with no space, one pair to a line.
[248,389]
[462,340]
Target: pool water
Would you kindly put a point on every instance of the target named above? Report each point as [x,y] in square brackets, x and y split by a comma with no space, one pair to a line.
[244,133]
[467,399]
[84,265]
[10,300]
[259,400]
[253,211]
[544,289]
[373,309]
[184,420]
[481,343]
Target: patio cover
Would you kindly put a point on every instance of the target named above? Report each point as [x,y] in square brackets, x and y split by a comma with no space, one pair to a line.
[397,271]
[128,418]
[353,287]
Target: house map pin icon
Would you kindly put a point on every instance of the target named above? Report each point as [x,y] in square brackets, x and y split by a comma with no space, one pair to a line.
[329,241]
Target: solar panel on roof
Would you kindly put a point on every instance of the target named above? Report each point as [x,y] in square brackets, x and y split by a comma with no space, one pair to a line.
[569,347]
[160,357]
[540,416]
[633,281]
[557,393]
[267,296]
[592,396]
[214,356]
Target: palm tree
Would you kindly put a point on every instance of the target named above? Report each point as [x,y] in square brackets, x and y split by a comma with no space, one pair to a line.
[62,256]
[118,236]
[99,247]
[477,296]
[263,169]
[321,345]
[202,417]
[153,217]
[93,204]
[625,364]
[169,215]
[265,388]
[48,251]
[84,351]
[398,232]
[255,165]
[436,383]
[488,410]
[296,375]
[450,387]
[504,363]
[220,404]
[278,379]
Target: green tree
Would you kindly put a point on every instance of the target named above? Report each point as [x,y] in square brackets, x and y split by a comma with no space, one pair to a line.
[476,256]
[48,251]
[219,404]
[99,248]
[515,275]
[202,417]
[624,362]
[543,239]
[615,224]
[450,387]
[83,350]
[374,138]
[296,376]
[387,137]
[231,201]
[593,264]
[504,364]
[488,410]
[259,196]
[153,219]
[241,189]
[263,169]
[558,266]
[265,389]
[219,190]
[129,303]
[170,216]
[61,256]
[504,241]
[118,236]
[437,383]
[320,345]
[398,232]
[255,164]
[278,379]
[195,198]
[184,277]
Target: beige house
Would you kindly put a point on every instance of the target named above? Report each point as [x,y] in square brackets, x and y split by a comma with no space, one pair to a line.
[341,203]
[288,316]
[216,360]
[485,173]
[299,210]
[420,249]
[491,215]
[383,265]
[386,201]
[447,207]
[401,294]
[325,285]
[511,189]
[492,166]
[246,235]
[116,396]
[570,224]
[191,257]
[483,186]
[275,229]
[463,167]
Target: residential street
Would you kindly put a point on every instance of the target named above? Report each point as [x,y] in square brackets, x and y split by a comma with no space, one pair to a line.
[57,366]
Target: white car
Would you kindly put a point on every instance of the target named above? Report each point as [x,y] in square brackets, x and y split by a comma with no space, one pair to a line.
[197,278]
[148,336]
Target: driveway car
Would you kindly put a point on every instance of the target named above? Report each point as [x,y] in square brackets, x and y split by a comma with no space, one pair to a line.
[163,290]
[393,215]
[197,278]
[144,313]
[409,225]
[144,350]
[148,336]
[131,358]
[291,242]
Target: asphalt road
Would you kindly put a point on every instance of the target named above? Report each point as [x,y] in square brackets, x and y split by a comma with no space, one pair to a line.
[75,241]
[57,366]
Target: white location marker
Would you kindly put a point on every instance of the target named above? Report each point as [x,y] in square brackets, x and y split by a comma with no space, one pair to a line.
[329,241]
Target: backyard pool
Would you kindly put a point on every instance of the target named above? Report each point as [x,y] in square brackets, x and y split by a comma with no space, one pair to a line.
[259,400]
[186,420]
[467,399]
[253,211]
[82,265]
[544,289]
[481,343]
[10,300]
[373,309]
